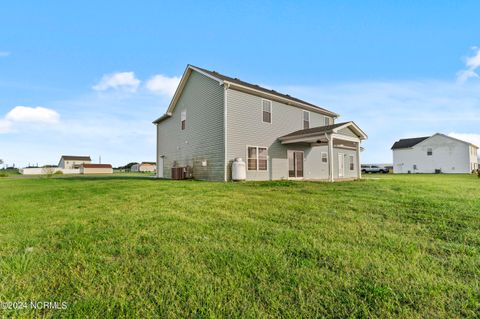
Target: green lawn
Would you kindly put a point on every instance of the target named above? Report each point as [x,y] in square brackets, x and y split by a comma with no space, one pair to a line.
[131,246]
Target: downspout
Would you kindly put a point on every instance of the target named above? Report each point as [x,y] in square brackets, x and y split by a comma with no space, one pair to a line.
[225,128]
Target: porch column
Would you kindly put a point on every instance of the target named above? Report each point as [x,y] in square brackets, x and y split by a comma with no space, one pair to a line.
[359,169]
[330,158]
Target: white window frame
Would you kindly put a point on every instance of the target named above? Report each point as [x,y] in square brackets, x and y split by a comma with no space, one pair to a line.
[271,111]
[258,158]
[430,150]
[326,157]
[325,120]
[351,163]
[303,119]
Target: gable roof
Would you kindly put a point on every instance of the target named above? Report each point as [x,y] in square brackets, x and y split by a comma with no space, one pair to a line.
[75,158]
[411,142]
[326,129]
[242,86]
[408,142]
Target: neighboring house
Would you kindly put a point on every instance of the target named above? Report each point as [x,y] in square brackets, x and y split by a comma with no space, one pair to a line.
[96,169]
[73,162]
[144,167]
[214,119]
[434,154]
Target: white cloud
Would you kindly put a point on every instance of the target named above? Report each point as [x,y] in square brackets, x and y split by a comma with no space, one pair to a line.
[467,137]
[125,81]
[5,126]
[32,115]
[163,84]
[472,63]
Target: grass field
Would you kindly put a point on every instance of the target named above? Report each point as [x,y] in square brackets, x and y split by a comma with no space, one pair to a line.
[130,246]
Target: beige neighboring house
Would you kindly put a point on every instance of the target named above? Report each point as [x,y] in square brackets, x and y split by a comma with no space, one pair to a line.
[144,167]
[96,169]
[73,162]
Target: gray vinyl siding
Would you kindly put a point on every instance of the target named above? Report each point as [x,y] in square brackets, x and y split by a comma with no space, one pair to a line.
[246,128]
[203,137]
[347,131]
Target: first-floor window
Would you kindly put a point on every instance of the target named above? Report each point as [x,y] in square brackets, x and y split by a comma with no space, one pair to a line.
[257,158]
[252,158]
[324,157]
[352,163]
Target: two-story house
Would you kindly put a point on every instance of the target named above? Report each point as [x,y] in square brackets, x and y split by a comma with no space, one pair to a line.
[214,119]
[438,153]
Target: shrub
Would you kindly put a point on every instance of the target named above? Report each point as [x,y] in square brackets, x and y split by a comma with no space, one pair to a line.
[58,173]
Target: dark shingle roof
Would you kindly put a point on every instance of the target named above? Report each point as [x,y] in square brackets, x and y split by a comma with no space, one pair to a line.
[259,88]
[76,158]
[318,129]
[408,142]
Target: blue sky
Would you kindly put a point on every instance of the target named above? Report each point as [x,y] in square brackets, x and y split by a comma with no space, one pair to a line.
[88,77]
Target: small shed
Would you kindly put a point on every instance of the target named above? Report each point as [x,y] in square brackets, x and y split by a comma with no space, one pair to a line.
[96,169]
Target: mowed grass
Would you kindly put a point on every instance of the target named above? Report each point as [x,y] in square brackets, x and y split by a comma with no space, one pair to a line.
[120,246]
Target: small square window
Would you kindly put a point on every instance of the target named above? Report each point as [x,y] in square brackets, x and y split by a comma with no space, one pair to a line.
[267,111]
[324,157]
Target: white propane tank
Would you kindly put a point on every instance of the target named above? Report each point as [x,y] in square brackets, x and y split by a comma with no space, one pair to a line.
[238,170]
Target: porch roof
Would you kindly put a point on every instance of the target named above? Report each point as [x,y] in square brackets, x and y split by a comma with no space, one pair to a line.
[310,133]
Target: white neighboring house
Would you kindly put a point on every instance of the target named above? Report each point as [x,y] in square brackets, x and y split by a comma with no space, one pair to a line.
[144,167]
[73,162]
[433,154]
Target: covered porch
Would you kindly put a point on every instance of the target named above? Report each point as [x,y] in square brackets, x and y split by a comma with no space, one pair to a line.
[340,146]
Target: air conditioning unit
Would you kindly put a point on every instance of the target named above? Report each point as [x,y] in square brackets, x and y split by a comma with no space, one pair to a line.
[178,172]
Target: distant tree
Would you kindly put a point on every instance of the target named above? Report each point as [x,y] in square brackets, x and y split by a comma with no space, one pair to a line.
[128,166]
[48,170]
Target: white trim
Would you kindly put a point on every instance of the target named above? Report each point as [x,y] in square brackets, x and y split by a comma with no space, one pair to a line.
[220,81]
[271,110]
[294,165]
[225,128]
[330,159]
[258,157]
[345,137]
[342,155]
[354,126]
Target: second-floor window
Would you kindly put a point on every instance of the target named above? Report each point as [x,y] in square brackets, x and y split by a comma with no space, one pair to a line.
[267,111]
[429,152]
[327,120]
[183,119]
[306,119]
